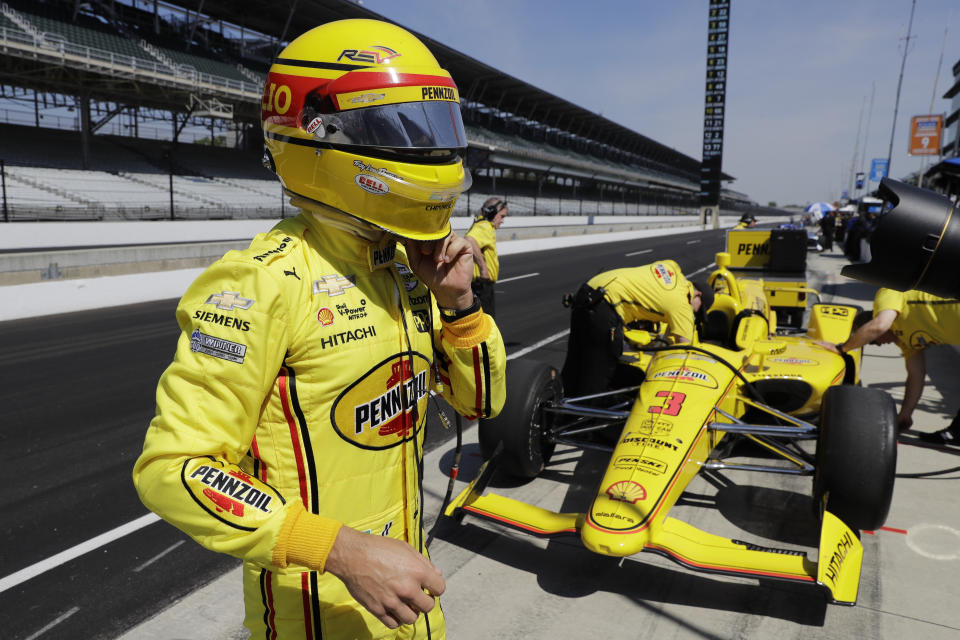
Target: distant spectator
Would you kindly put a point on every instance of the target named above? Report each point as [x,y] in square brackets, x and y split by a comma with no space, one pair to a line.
[828,224]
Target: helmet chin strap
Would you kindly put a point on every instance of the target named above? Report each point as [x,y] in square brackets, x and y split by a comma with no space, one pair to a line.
[339,219]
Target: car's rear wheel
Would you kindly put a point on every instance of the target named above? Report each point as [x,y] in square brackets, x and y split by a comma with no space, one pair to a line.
[856,456]
[522,423]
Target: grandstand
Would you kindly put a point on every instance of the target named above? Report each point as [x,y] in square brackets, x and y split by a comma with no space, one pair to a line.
[142,109]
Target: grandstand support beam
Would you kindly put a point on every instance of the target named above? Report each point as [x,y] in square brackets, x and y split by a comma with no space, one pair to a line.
[286,26]
[107,118]
[209,108]
[83,101]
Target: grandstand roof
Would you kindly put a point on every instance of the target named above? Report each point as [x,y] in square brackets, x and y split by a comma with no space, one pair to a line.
[287,19]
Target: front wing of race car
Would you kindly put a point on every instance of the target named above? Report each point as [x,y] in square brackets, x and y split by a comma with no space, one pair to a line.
[837,568]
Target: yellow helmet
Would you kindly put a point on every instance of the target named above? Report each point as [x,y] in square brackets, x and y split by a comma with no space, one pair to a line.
[358,115]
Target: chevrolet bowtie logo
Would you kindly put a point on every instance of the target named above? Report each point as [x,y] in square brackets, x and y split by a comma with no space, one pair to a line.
[333,285]
[228,300]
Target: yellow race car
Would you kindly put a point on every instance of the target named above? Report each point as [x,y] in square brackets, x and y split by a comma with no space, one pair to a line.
[745,380]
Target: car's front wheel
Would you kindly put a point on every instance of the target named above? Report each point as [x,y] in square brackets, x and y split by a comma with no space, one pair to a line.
[522,423]
[856,462]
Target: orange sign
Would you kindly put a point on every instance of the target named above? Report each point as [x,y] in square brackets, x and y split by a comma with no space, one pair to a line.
[925,135]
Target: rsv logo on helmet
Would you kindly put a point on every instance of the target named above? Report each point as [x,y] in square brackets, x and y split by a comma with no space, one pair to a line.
[378,55]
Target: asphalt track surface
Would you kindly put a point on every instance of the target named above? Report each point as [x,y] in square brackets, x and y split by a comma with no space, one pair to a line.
[77,395]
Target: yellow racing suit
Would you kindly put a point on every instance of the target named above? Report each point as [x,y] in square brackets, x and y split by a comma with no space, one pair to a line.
[483,232]
[656,292]
[296,404]
[924,319]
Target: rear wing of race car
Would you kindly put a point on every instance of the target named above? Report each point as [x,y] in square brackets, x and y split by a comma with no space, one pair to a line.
[837,569]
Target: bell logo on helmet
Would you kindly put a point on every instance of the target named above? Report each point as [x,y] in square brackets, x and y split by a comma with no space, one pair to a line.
[379,55]
[371,185]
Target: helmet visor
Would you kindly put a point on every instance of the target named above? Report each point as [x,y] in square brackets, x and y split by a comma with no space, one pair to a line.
[408,125]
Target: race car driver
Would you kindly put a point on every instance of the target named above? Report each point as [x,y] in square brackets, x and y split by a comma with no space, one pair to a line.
[289,427]
[482,237]
[652,293]
[914,321]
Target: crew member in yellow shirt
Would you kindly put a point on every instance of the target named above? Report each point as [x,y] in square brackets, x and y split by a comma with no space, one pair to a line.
[914,321]
[653,293]
[482,237]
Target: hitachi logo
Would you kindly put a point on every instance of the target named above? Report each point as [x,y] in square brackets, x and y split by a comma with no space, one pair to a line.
[839,555]
[348,336]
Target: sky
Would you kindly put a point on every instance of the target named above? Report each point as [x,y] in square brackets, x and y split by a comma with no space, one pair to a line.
[811,90]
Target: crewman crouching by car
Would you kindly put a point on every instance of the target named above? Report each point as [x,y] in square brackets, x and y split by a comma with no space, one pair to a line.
[656,292]
[914,321]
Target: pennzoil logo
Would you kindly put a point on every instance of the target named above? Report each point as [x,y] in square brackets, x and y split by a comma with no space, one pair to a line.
[438,93]
[664,275]
[334,285]
[688,375]
[230,494]
[382,408]
[922,340]
[377,54]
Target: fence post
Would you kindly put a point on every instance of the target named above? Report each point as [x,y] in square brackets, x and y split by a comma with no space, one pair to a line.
[3,181]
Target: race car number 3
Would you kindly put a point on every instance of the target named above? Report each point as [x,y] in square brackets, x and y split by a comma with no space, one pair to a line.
[672,405]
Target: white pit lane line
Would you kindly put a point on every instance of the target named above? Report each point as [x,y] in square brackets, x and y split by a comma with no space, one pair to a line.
[934,541]
[53,623]
[637,253]
[526,275]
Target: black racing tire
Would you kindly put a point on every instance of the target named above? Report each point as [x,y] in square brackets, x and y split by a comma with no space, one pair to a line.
[856,461]
[522,424]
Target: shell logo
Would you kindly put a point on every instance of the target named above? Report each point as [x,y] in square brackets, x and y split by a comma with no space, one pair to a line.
[384,407]
[627,491]
[325,317]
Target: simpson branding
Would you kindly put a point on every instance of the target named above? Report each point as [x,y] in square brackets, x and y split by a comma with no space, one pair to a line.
[687,375]
[230,494]
[222,320]
[381,409]
[410,281]
[284,244]
[217,347]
